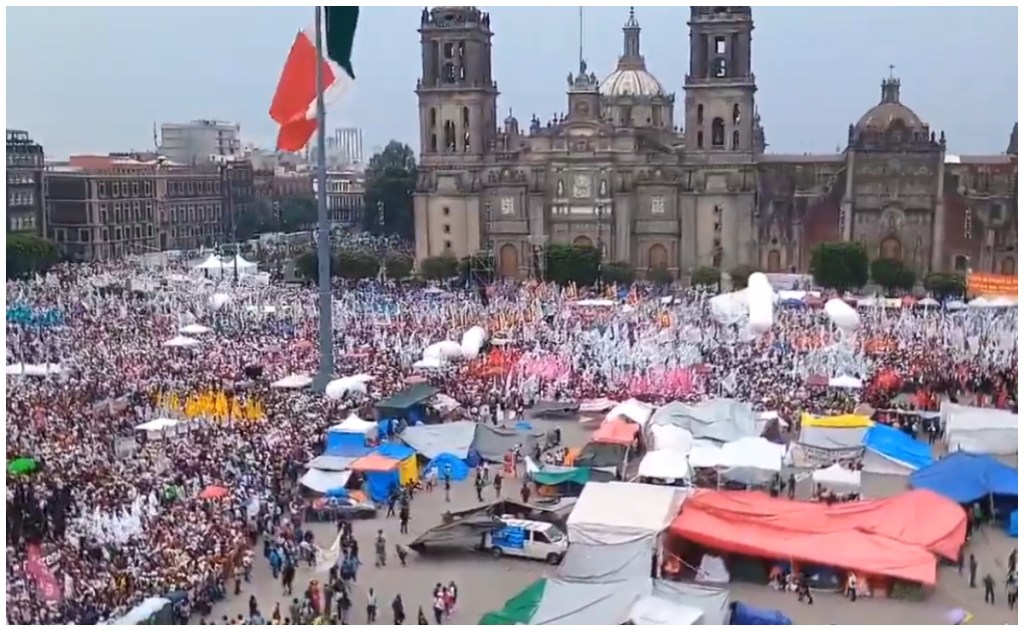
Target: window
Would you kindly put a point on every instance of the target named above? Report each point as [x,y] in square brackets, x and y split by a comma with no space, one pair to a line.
[102,189]
[433,143]
[448,73]
[718,133]
[433,117]
[735,114]
[995,212]
[83,236]
[449,50]
[106,235]
[508,206]
[447,245]
[124,189]
[117,213]
[700,140]
[446,211]
[149,211]
[960,263]
[700,114]
[147,188]
[135,189]
[449,136]
[447,229]
[657,205]
[735,140]
[540,537]
[719,45]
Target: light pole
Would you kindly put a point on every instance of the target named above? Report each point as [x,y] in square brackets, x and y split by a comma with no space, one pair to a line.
[380,229]
[323,228]
[600,248]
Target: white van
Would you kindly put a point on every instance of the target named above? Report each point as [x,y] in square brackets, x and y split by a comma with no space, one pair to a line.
[529,539]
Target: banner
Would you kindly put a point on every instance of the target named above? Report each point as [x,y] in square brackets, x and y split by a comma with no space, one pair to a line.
[49,588]
[808,457]
[981,284]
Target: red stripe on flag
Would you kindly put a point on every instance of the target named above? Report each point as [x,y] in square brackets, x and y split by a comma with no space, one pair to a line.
[296,91]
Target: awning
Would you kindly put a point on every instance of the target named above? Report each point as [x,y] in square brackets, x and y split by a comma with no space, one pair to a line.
[414,394]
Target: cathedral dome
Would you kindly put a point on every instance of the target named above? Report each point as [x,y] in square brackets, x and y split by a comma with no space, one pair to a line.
[888,110]
[631,82]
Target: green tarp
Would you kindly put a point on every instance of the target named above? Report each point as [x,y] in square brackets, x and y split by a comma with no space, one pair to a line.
[416,393]
[520,608]
[579,475]
[22,466]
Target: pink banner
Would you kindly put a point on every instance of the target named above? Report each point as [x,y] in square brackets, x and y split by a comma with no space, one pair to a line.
[49,588]
[671,383]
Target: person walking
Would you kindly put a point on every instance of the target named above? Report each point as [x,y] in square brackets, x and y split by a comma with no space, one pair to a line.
[398,609]
[989,584]
[371,607]
[972,571]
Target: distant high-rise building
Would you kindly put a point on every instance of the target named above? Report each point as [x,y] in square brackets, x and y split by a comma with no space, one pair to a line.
[199,141]
[25,203]
[344,148]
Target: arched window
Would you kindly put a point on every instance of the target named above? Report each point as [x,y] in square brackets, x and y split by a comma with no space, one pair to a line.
[433,143]
[465,116]
[700,140]
[433,117]
[448,73]
[960,263]
[735,140]
[718,133]
[449,136]
[735,114]
[700,114]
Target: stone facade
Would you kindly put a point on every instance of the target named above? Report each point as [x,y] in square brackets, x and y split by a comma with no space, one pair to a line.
[614,172]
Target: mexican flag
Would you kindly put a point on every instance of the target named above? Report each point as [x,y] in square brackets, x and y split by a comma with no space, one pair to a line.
[294,104]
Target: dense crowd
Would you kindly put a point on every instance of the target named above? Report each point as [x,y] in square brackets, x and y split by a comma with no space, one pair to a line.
[108,517]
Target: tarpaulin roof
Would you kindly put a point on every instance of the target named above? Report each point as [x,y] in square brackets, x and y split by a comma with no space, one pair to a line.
[395,451]
[598,516]
[564,475]
[755,525]
[964,477]
[896,445]
[493,443]
[324,481]
[843,421]
[602,563]
[616,432]
[720,420]
[416,393]
[374,462]
[979,430]
[520,608]
[431,441]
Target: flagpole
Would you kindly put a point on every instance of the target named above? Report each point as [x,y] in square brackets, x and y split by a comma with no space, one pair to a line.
[323,227]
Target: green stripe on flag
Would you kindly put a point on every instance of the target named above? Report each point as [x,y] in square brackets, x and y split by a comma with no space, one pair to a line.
[340,29]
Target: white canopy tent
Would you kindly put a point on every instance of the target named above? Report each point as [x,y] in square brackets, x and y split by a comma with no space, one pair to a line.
[180,341]
[632,410]
[212,263]
[837,479]
[979,430]
[598,516]
[354,425]
[665,464]
[845,382]
[323,481]
[158,427]
[293,382]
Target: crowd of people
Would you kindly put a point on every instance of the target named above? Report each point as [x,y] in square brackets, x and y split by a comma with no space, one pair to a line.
[108,517]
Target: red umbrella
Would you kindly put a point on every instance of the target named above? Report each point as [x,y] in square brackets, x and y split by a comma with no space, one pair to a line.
[213,492]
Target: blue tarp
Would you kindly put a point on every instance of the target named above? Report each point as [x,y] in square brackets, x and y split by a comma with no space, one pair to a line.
[339,493]
[743,614]
[380,483]
[346,444]
[395,451]
[897,445]
[966,478]
[447,462]
[524,425]
[1011,525]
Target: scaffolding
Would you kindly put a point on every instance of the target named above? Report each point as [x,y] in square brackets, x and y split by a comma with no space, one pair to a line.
[480,265]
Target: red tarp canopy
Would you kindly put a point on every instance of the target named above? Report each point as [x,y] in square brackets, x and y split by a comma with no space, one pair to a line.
[894,537]
[616,432]
[374,462]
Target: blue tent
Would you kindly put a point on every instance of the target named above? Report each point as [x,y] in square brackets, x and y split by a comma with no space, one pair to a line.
[743,614]
[897,445]
[395,451]
[1011,525]
[379,484]
[346,444]
[966,478]
[448,462]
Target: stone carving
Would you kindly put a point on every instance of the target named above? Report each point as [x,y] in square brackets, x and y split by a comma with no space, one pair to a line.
[581,186]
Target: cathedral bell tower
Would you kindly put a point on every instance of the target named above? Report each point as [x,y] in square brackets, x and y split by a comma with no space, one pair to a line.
[720,87]
[457,93]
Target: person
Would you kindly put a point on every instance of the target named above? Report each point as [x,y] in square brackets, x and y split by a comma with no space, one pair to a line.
[381,547]
[447,486]
[1011,589]
[803,590]
[972,571]
[438,605]
[288,575]
[398,609]
[402,553]
[851,587]
[371,607]
[478,484]
[989,584]
[497,484]
[344,606]
[403,519]
[421,618]
[524,492]
[453,595]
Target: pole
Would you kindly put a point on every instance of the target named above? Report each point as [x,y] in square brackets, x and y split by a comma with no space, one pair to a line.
[323,229]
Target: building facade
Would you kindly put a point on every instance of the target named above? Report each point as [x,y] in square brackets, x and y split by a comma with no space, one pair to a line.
[26,207]
[102,207]
[345,193]
[344,148]
[199,141]
[615,172]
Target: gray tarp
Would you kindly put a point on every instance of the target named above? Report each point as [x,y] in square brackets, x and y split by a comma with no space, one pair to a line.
[589,563]
[554,409]
[832,437]
[331,463]
[430,441]
[713,601]
[720,420]
[492,443]
[463,528]
[568,602]
[596,455]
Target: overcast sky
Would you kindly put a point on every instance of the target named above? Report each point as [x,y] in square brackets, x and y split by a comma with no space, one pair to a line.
[95,80]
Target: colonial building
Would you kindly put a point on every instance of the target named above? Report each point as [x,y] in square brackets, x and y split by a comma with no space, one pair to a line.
[26,212]
[615,172]
[110,206]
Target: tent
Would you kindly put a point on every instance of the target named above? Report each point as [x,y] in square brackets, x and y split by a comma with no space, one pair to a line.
[670,437]
[616,432]
[828,439]
[22,466]
[492,443]
[845,382]
[342,441]
[751,460]
[1011,525]
[431,441]
[293,382]
[966,478]
[552,481]
[520,608]
[408,403]
[745,615]
[632,410]
[892,451]
[666,465]
[454,466]
[720,420]
[979,430]
[408,470]
[211,263]
[837,479]
[324,481]
[381,475]
[598,516]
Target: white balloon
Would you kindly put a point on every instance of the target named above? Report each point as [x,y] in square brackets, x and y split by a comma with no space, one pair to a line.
[842,315]
[757,279]
[761,308]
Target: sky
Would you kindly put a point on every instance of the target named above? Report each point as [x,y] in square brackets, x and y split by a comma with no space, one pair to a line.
[95,80]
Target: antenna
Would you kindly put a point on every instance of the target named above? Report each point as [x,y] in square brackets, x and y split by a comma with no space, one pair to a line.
[156,143]
[581,37]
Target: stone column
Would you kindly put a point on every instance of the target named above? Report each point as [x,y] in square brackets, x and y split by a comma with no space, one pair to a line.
[846,206]
[939,217]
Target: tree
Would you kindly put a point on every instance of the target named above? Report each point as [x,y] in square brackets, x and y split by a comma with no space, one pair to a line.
[296,214]
[578,264]
[739,276]
[258,218]
[891,275]
[28,254]
[660,276]
[945,286]
[398,266]
[840,265]
[390,182]
[307,265]
[706,277]
[357,265]
[439,267]
[618,272]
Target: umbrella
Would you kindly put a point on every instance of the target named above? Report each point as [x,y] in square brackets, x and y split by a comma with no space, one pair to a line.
[22,466]
[213,492]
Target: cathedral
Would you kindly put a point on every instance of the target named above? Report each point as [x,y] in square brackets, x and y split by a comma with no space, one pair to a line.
[614,170]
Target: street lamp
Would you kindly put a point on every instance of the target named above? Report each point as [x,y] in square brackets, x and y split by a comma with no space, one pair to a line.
[600,248]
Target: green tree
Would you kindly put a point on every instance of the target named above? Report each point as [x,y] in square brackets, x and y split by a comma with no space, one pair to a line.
[945,286]
[439,267]
[398,266]
[356,265]
[618,272]
[296,214]
[258,218]
[705,276]
[578,264]
[892,275]
[28,254]
[660,276]
[307,265]
[739,276]
[390,183]
[840,265]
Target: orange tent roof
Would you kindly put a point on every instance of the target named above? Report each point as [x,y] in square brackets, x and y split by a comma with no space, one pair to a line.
[616,431]
[886,537]
[374,462]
